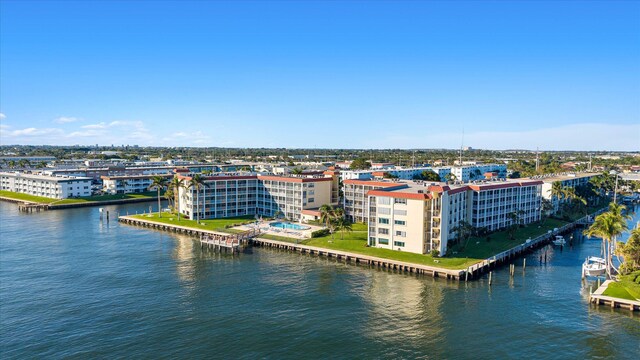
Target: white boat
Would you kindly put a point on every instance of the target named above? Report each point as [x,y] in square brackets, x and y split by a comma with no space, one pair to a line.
[559,240]
[594,266]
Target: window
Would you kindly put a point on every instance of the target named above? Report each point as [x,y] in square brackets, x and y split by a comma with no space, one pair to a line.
[400,212]
[383,220]
[311,200]
[400,201]
[401,233]
[384,201]
[398,243]
[400,222]
[382,241]
[384,211]
[383,231]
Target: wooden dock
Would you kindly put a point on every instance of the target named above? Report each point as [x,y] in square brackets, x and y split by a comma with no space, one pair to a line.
[31,207]
[598,299]
[353,258]
[215,240]
[477,270]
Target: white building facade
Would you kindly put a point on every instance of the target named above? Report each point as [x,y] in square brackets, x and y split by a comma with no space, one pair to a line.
[265,195]
[56,187]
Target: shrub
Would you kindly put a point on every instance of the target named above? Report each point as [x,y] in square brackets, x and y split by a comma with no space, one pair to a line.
[435,253]
[320,233]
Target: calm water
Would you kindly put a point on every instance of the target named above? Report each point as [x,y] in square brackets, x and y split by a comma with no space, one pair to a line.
[73,287]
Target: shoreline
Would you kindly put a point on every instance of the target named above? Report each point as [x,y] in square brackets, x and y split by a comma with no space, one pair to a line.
[598,299]
[473,272]
[47,206]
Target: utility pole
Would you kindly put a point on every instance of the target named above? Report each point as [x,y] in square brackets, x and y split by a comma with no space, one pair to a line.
[537,159]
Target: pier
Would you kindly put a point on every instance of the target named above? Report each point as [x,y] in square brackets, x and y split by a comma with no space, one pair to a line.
[217,241]
[31,207]
[476,270]
[598,299]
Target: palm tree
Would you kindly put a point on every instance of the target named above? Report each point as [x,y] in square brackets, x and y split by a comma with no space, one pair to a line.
[450,177]
[608,226]
[558,191]
[463,231]
[124,184]
[630,251]
[327,213]
[169,196]
[547,206]
[297,170]
[515,217]
[618,211]
[343,225]
[158,182]
[176,184]
[197,183]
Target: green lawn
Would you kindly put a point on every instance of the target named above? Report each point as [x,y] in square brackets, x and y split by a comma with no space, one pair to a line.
[479,248]
[26,197]
[212,224]
[356,242]
[51,201]
[624,288]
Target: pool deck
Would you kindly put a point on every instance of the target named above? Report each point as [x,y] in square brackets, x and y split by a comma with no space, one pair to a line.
[265,228]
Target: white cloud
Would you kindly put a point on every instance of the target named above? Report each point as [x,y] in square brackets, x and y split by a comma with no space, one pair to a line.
[37,132]
[2,116]
[95,126]
[65,119]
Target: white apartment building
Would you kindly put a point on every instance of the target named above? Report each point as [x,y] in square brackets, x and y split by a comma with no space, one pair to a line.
[492,202]
[404,173]
[467,173]
[57,187]
[266,195]
[568,180]
[127,184]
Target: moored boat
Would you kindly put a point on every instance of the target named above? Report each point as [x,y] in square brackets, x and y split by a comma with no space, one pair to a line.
[594,266]
[559,240]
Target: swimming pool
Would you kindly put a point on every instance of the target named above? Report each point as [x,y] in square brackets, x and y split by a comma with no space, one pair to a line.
[290,226]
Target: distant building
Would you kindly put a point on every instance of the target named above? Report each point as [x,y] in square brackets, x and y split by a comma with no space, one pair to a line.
[566,180]
[57,187]
[127,184]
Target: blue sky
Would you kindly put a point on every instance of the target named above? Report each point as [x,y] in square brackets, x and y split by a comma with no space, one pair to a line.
[553,75]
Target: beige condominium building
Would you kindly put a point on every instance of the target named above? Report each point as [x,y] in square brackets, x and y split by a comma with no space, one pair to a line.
[229,195]
[355,201]
[420,217]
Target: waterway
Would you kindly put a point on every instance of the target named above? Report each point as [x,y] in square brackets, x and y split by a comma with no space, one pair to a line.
[72,286]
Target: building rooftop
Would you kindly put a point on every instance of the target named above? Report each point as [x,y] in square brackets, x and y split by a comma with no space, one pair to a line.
[563,176]
[43,176]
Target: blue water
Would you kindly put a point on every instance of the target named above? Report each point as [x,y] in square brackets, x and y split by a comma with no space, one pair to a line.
[74,287]
[286,225]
